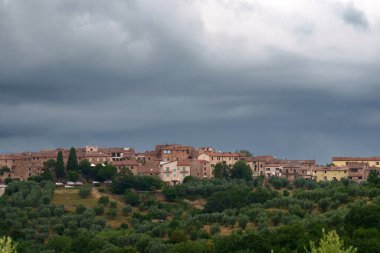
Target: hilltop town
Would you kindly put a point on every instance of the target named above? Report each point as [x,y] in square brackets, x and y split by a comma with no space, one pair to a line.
[174,162]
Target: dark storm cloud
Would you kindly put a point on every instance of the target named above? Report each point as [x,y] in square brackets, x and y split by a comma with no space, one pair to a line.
[138,73]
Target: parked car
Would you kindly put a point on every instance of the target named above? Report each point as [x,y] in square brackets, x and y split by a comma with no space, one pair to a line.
[69,186]
[78,183]
[95,182]
[108,182]
[70,183]
[59,184]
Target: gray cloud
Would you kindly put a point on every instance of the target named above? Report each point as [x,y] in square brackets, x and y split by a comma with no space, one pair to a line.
[354,16]
[138,73]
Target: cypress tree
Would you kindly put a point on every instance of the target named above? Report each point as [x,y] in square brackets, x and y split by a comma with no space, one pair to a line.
[59,166]
[72,162]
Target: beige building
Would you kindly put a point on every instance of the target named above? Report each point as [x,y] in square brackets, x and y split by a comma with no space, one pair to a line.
[331,173]
[373,161]
[174,172]
[228,158]
[201,169]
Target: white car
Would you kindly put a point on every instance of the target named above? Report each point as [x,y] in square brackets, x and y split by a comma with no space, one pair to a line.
[78,183]
[69,186]
[59,184]
[95,182]
[70,183]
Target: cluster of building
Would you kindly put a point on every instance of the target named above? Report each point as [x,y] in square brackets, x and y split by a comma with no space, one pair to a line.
[173,162]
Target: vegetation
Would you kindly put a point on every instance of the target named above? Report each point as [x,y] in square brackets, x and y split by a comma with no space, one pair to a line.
[234,213]
[60,167]
[72,162]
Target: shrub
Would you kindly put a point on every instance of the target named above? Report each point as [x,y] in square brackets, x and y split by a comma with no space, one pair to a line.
[113,204]
[84,191]
[112,213]
[104,200]
[80,209]
[132,198]
[127,210]
[99,209]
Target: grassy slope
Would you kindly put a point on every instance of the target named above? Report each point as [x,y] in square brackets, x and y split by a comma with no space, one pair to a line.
[70,198]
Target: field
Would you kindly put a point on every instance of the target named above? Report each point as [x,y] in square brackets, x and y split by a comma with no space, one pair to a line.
[70,199]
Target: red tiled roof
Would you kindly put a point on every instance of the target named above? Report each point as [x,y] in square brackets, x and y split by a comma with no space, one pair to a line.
[225,154]
[373,158]
[183,163]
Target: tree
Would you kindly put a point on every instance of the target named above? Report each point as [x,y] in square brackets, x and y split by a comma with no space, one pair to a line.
[49,165]
[132,198]
[72,176]
[85,167]
[373,177]
[246,152]
[84,191]
[59,166]
[60,244]
[105,172]
[221,170]
[72,162]
[331,243]
[7,246]
[241,170]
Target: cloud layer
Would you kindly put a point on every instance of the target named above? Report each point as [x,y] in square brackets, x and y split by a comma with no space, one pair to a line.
[297,79]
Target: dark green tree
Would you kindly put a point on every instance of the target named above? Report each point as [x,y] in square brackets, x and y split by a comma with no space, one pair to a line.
[60,167]
[85,167]
[72,162]
[49,165]
[221,170]
[246,152]
[373,177]
[241,170]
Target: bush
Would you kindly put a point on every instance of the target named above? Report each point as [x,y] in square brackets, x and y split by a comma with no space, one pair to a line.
[84,191]
[113,204]
[103,200]
[214,229]
[112,213]
[80,209]
[127,210]
[324,204]
[99,209]
[132,198]
[102,190]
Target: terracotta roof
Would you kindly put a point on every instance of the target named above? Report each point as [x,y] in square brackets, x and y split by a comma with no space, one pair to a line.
[125,163]
[225,154]
[342,168]
[183,163]
[373,158]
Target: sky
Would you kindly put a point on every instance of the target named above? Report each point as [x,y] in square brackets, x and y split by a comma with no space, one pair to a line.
[297,79]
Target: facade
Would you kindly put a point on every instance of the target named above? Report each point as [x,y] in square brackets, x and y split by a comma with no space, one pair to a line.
[331,173]
[273,170]
[175,152]
[174,172]
[373,161]
[201,169]
[228,158]
[132,165]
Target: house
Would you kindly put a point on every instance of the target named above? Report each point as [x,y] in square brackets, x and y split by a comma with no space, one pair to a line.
[228,158]
[274,169]
[132,165]
[174,172]
[373,161]
[331,173]
[201,169]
